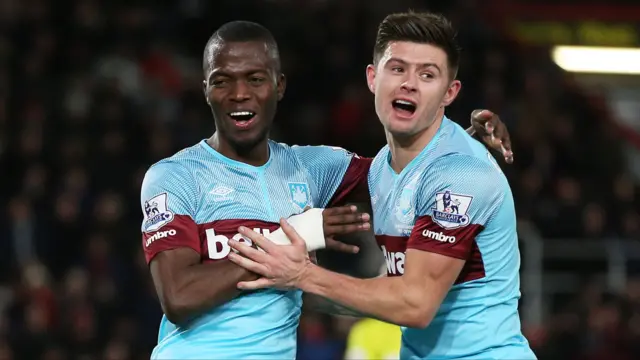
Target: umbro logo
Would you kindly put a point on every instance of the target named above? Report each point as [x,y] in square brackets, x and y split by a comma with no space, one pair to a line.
[221,193]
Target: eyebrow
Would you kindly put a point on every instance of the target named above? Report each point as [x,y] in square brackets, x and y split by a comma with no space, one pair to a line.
[423,65]
[218,72]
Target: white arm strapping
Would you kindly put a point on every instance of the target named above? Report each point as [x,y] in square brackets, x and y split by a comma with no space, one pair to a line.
[308,225]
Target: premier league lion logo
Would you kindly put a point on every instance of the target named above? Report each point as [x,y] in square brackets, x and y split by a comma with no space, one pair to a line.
[451,209]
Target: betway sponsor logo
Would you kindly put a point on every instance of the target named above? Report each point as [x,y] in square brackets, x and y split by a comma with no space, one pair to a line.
[160,235]
[218,245]
[439,236]
[395,261]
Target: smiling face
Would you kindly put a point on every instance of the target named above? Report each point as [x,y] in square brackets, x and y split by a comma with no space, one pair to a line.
[243,86]
[412,84]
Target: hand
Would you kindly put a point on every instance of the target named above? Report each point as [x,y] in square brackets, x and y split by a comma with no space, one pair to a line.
[281,266]
[343,220]
[492,131]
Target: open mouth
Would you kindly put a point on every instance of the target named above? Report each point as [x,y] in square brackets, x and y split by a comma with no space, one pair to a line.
[404,107]
[242,118]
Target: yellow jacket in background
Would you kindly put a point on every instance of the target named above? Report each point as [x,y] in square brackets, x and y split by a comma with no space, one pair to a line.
[371,339]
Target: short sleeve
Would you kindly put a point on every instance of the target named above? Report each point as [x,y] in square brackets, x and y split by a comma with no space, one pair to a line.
[169,202]
[336,172]
[457,197]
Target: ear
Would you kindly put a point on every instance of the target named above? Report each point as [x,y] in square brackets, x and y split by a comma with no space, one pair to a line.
[281,85]
[371,77]
[204,90]
[452,92]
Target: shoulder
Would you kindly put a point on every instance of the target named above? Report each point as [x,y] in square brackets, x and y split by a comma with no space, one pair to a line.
[175,172]
[465,172]
[319,151]
[464,184]
[453,139]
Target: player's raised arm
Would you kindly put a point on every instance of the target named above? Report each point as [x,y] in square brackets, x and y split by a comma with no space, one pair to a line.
[171,244]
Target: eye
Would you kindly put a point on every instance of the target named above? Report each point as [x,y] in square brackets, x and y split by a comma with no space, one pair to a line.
[397,69]
[256,80]
[426,76]
[218,83]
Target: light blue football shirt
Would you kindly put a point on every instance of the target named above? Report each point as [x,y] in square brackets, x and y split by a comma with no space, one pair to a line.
[454,200]
[198,198]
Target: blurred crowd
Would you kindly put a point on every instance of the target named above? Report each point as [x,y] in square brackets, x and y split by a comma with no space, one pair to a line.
[92,92]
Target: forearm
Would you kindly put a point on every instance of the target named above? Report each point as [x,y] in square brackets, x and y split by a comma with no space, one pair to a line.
[328,306]
[205,286]
[384,298]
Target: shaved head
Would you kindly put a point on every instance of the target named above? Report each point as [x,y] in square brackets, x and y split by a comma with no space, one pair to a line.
[240,31]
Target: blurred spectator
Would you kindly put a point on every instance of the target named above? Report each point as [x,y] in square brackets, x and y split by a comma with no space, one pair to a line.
[93,92]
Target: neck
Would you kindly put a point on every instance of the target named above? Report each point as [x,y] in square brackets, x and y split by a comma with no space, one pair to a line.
[255,155]
[405,149]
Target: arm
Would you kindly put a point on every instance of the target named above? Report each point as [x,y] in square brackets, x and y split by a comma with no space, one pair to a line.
[410,300]
[185,286]
[328,306]
[354,187]
[171,244]
[340,175]
[431,264]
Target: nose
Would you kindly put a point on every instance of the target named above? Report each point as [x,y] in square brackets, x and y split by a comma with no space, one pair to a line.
[410,83]
[240,92]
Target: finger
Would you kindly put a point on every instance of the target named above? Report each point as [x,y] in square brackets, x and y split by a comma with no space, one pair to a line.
[492,123]
[500,130]
[340,246]
[480,116]
[508,155]
[479,120]
[339,210]
[504,143]
[292,234]
[248,251]
[331,230]
[248,264]
[256,284]
[257,239]
[347,218]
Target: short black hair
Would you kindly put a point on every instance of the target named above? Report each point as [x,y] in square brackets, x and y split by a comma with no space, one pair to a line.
[425,28]
[240,31]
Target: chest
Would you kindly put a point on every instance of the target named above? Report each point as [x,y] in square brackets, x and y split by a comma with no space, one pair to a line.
[394,201]
[255,199]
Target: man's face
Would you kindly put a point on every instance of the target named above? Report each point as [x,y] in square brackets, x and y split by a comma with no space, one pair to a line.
[243,88]
[412,85]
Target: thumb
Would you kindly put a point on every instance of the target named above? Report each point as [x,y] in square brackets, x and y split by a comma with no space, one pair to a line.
[292,234]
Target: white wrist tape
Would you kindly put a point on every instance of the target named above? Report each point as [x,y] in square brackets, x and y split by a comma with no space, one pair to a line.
[308,225]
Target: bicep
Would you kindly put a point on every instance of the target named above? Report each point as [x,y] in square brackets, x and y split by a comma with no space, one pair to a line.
[430,275]
[166,268]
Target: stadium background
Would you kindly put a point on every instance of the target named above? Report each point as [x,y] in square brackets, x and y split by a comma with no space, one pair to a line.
[92,92]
